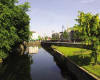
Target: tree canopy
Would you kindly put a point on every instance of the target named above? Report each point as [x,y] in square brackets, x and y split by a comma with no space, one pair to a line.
[89,30]
[14,25]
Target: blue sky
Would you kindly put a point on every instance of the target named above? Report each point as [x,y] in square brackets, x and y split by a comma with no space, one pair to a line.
[49,15]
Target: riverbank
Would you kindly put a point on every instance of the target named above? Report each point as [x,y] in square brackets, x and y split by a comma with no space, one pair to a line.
[35,43]
[81,57]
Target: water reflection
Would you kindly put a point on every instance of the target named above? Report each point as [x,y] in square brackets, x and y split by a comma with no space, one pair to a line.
[61,63]
[44,67]
[16,68]
[32,49]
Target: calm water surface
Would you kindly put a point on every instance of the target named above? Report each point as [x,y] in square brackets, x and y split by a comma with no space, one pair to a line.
[37,65]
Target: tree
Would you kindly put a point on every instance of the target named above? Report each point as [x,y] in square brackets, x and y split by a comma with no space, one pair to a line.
[9,3]
[94,35]
[65,35]
[55,36]
[40,38]
[89,26]
[77,33]
[14,26]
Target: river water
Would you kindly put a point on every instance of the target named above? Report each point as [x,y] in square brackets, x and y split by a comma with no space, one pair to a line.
[37,65]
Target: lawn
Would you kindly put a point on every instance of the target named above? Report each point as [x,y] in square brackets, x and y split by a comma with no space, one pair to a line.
[82,57]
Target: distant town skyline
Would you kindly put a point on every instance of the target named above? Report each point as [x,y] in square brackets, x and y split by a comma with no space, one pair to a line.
[49,15]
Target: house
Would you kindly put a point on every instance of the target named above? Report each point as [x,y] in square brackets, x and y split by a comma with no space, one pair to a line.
[34,36]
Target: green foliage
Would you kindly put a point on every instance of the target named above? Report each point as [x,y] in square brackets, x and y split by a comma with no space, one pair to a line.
[14,25]
[55,36]
[89,28]
[46,38]
[77,33]
[65,35]
[25,7]
[2,54]
[9,3]
[39,37]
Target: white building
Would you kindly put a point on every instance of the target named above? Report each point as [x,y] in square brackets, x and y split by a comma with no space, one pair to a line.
[34,35]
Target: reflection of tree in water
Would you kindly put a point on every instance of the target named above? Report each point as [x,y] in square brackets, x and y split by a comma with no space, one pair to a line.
[16,68]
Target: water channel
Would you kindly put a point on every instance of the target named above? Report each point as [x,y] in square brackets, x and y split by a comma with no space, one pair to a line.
[37,65]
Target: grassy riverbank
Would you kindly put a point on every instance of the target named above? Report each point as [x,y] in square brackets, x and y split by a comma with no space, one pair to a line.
[81,57]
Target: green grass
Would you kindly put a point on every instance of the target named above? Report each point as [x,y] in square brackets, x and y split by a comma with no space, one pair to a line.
[81,57]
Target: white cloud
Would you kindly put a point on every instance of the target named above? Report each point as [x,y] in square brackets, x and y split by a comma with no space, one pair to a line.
[87,1]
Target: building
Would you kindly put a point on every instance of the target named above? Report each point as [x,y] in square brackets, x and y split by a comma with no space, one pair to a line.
[34,36]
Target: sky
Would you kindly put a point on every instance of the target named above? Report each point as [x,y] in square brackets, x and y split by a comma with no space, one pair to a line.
[48,16]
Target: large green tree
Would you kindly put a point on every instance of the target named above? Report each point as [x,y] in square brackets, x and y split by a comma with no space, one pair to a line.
[14,25]
[89,27]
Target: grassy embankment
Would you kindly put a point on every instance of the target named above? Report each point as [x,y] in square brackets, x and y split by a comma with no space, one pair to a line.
[81,57]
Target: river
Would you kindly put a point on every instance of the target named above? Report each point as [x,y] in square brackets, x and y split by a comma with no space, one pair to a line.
[37,65]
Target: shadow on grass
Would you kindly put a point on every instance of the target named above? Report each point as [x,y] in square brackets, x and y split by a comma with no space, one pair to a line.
[81,60]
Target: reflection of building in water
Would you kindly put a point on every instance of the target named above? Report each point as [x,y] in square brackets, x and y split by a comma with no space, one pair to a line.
[31,50]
